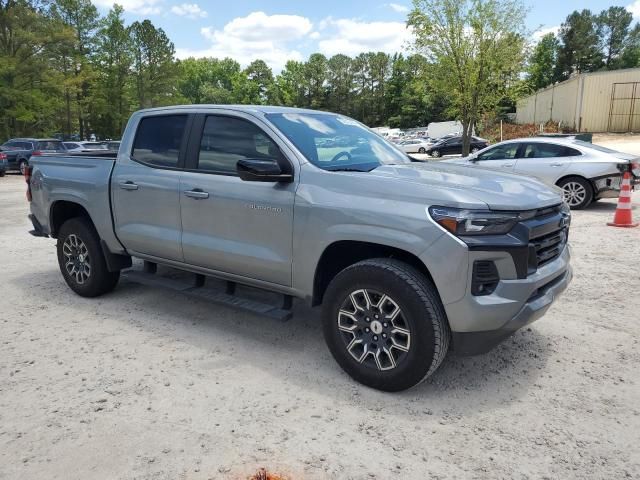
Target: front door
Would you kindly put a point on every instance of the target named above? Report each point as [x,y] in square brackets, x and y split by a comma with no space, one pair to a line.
[145,188]
[501,157]
[230,225]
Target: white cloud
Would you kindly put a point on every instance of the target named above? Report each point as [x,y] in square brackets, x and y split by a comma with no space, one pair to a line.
[396,7]
[538,34]
[256,36]
[352,37]
[139,7]
[634,9]
[189,10]
[314,35]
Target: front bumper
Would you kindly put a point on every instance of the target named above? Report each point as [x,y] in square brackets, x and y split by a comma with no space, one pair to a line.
[475,343]
[479,323]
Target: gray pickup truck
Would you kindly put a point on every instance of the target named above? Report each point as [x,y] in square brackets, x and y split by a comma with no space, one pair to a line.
[408,259]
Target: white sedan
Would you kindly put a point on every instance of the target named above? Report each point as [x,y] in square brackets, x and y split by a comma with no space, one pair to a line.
[585,172]
[416,145]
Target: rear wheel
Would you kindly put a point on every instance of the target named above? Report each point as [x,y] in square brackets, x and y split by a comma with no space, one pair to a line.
[22,166]
[435,153]
[81,259]
[422,150]
[578,192]
[384,324]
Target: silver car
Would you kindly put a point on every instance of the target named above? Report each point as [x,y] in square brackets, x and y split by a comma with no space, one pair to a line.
[416,145]
[585,172]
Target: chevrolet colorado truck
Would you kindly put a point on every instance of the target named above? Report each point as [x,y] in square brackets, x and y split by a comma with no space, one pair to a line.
[408,259]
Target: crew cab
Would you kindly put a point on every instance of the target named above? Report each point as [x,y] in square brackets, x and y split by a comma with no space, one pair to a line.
[408,259]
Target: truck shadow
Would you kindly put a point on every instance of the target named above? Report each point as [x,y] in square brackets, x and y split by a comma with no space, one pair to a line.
[294,352]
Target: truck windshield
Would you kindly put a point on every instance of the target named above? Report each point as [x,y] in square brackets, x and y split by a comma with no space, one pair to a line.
[336,143]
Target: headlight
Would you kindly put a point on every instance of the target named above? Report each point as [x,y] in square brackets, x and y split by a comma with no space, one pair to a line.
[474,222]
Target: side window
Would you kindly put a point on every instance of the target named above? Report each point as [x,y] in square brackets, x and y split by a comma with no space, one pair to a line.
[571,152]
[500,152]
[158,140]
[545,150]
[225,140]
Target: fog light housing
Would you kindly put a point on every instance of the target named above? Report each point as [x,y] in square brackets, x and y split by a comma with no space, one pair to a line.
[485,278]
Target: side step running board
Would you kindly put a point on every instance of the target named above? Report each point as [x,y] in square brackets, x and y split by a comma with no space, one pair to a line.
[196,289]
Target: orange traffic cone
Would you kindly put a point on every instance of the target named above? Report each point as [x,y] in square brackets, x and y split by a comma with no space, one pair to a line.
[623,217]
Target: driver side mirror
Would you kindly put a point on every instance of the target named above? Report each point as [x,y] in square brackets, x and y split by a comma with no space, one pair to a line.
[259,170]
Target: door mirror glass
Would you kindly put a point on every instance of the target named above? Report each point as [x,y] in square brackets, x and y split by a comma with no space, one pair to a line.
[259,170]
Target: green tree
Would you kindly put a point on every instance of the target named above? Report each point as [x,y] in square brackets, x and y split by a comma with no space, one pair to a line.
[541,69]
[315,71]
[579,45]
[340,84]
[476,48]
[81,16]
[155,73]
[111,102]
[259,87]
[208,80]
[614,26]
[291,84]
[30,86]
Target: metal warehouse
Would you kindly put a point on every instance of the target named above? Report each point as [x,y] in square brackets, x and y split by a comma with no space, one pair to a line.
[589,102]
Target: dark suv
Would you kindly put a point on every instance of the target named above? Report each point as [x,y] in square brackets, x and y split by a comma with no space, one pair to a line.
[453,146]
[20,150]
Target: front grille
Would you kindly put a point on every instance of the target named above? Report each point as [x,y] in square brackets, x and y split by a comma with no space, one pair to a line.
[548,247]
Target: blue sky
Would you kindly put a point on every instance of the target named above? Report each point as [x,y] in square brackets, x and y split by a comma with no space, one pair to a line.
[279,30]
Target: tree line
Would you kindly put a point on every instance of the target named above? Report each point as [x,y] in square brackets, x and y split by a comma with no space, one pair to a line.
[585,42]
[65,69]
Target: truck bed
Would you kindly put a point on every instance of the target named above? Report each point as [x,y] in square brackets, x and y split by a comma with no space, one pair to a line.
[81,178]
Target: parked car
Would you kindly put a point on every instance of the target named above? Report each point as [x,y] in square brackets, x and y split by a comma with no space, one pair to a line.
[3,163]
[586,172]
[416,145]
[84,146]
[405,257]
[25,148]
[113,145]
[453,146]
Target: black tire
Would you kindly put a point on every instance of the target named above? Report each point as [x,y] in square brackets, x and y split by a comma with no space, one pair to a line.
[573,184]
[2,173]
[435,153]
[99,280]
[22,166]
[422,150]
[421,313]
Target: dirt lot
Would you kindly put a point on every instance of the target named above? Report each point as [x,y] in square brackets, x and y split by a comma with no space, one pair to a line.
[149,385]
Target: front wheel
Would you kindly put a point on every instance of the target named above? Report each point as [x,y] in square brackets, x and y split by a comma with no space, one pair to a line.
[22,166]
[384,324]
[435,153]
[81,259]
[422,150]
[578,192]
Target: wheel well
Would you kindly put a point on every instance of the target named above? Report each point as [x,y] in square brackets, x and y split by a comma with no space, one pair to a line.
[340,255]
[62,211]
[580,177]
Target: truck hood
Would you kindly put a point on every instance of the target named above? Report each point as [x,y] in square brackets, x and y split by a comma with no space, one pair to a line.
[499,191]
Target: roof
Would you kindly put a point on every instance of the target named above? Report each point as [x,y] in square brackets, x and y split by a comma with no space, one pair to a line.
[263,109]
[28,139]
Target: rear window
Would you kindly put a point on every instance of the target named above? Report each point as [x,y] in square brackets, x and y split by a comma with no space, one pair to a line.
[49,145]
[158,140]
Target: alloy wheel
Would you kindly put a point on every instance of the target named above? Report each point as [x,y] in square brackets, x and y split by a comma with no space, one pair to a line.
[77,260]
[574,193]
[374,329]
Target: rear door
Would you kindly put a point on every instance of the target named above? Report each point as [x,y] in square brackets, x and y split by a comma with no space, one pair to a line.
[501,157]
[145,187]
[229,225]
[546,161]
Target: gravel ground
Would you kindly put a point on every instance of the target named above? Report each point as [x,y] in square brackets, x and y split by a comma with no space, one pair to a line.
[147,384]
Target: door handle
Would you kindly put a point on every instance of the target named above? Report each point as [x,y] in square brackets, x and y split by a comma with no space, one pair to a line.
[128,185]
[556,164]
[197,194]
[507,165]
